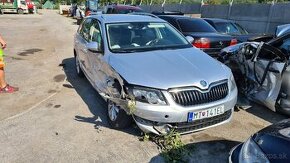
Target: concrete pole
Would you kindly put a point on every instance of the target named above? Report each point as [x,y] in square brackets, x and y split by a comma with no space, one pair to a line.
[230,8]
[180,2]
[163,5]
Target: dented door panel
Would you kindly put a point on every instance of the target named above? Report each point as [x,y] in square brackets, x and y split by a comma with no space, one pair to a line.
[260,70]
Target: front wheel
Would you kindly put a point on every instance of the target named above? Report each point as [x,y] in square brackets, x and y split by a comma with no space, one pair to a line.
[118,118]
[20,11]
[79,71]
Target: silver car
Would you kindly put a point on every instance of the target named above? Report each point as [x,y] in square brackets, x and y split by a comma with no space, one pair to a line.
[147,71]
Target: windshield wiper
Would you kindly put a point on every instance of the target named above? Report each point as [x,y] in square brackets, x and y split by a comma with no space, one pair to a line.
[124,51]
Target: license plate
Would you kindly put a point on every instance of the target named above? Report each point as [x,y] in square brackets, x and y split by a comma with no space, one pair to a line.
[205,113]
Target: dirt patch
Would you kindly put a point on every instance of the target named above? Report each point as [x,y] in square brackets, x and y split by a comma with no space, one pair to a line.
[51,91]
[57,106]
[29,52]
[59,78]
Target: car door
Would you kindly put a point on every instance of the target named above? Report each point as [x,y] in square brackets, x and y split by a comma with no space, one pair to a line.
[95,58]
[267,68]
[82,41]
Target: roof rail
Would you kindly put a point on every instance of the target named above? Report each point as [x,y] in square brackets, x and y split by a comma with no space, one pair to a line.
[143,14]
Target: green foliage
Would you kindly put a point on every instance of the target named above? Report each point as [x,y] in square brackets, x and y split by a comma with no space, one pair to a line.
[172,147]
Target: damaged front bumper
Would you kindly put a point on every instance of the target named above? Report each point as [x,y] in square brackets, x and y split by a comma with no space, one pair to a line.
[162,119]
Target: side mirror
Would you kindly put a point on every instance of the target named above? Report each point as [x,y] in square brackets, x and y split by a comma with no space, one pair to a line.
[94,47]
[189,39]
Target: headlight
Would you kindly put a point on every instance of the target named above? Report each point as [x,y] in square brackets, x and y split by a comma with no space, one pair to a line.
[251,152]
[233,82]
[147,95]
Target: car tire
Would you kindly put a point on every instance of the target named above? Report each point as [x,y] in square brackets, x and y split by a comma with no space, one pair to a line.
[20,11]
[118,118]
[79,70]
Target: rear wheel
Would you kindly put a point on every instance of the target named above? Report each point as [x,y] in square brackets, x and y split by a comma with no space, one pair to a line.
[20,11]
[118,118]
[78,67]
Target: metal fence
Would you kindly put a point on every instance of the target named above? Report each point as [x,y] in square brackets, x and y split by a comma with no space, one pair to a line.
[256,18]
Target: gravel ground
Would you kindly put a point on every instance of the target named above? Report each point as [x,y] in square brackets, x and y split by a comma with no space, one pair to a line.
[58,117]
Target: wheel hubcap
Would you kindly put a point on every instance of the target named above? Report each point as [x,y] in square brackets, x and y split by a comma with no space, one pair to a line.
[113,111]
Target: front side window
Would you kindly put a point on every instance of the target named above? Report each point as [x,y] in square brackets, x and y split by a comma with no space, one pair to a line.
[143,36]
[85,30]
[95,32]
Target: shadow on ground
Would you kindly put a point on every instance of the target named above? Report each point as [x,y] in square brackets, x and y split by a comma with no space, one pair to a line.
[207,151]
[94,101]
[259,110]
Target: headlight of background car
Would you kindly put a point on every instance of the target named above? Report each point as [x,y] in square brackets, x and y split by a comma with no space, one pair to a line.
[251,152]
[233,82]
[147,95]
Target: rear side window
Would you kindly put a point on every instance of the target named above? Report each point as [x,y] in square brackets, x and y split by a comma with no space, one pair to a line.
[225,27]
[195,25]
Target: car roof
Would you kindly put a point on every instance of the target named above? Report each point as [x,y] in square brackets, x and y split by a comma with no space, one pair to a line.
[118,18]
[216,20]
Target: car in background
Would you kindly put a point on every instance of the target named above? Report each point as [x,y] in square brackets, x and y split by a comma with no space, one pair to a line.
[234,29]
[121,9]
[146,70]
[91,7]
[205,36]
[271,144]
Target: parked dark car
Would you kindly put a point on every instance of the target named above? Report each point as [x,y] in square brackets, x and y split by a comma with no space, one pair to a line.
[205,36]
[121,9]
[271,144]
[235,29]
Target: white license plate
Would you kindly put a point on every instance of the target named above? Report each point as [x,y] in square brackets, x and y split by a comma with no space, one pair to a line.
[205,113]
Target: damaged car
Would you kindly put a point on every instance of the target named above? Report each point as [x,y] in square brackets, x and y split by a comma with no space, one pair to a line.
[270,144]
[262,71]
[149,72]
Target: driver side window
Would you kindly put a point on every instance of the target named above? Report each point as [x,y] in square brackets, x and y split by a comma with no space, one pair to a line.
[95,32]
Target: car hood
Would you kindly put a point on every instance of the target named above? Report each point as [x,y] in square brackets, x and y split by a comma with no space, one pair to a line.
[164,69]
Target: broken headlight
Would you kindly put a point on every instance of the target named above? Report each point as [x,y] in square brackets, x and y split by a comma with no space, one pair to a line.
[233,82]
[147,95]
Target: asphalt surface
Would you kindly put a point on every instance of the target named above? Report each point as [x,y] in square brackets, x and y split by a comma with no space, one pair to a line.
[58,117]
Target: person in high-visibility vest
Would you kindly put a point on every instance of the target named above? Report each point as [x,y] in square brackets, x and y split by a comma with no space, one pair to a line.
[4,87]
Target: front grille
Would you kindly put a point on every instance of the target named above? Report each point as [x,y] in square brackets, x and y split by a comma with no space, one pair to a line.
[195,97]
[201,123]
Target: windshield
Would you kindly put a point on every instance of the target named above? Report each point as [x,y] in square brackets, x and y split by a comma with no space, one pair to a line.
[143,36]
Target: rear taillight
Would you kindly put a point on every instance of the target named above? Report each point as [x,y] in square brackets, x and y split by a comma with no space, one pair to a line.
[88,13]
[202,43]
[233,42]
